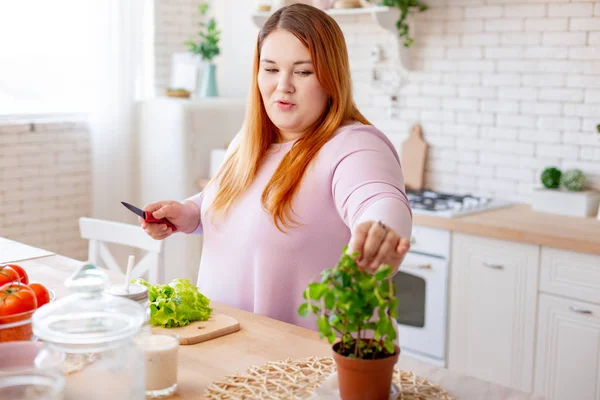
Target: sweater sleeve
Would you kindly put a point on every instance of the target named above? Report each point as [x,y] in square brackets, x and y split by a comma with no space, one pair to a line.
[367,182]
[198,197]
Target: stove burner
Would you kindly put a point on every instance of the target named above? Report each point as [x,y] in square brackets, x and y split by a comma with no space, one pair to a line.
[436,201]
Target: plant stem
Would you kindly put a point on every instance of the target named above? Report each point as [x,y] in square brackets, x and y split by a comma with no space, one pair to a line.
[356,345]
[390,296]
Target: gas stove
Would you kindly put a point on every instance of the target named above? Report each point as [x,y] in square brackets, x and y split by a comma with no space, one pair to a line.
[448,205]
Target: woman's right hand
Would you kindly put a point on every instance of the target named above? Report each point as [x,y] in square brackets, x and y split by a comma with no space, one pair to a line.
[185,216]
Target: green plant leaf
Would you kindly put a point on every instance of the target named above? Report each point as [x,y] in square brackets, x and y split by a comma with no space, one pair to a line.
[383,272]
[303,310]
[323,325]
[331,337]
[329,300]
[333,319]
[316,290]
[389,346]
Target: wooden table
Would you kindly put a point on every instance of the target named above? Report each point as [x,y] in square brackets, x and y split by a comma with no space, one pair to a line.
[260,339]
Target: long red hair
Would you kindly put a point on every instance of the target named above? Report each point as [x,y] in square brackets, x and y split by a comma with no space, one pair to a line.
[325,41]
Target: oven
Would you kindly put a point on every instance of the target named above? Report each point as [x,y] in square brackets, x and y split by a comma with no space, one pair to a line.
[422,290]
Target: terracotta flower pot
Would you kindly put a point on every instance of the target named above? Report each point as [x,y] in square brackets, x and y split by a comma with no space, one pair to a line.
[364,379]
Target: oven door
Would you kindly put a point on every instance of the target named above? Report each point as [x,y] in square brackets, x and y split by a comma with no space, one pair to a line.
[421,288]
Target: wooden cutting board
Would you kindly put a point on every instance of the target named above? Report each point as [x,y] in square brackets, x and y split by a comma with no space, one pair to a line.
[414,154]
[201,331]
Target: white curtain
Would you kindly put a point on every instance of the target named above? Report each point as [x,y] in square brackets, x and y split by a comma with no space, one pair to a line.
[122,72]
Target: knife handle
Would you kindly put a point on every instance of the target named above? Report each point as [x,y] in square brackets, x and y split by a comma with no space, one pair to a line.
[150,219]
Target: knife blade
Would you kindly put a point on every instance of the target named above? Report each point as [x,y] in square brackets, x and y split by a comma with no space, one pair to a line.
[148,216]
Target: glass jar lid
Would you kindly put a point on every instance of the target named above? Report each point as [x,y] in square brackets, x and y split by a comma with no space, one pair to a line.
[89,316]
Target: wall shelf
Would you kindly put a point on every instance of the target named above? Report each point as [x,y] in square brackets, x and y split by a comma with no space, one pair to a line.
[386,17]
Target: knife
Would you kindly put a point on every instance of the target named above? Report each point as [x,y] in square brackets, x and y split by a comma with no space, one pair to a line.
[148,216]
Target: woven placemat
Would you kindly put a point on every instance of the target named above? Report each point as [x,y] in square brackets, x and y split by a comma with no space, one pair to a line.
[298,379]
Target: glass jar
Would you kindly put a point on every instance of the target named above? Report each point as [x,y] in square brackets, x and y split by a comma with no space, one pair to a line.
[95,332]
[137,293]
[28,372]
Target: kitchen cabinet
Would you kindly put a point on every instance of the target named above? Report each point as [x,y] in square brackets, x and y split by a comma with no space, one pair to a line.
[568,349]
[493,309]
[568,340]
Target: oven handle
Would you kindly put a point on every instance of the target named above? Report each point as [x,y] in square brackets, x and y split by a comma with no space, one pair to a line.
[417,266]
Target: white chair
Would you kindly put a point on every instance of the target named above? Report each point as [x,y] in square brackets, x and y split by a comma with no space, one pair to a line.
[99,231]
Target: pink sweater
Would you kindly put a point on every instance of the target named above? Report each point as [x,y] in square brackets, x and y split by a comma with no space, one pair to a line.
[247,263]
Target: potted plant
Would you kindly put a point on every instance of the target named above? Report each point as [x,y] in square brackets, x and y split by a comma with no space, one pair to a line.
[404,6]
[207,47]
[357,307]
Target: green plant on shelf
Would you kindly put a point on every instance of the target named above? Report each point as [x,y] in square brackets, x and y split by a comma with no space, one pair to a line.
[573,180]
[551,177]
[404,6]
[208,44]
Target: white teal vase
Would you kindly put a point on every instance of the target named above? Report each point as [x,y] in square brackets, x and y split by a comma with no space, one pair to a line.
[209,81]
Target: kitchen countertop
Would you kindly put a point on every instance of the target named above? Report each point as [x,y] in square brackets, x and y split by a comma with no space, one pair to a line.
[520,223]
[260,339]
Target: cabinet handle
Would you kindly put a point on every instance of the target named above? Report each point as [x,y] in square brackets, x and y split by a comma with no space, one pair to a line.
[493,266]
[580,310]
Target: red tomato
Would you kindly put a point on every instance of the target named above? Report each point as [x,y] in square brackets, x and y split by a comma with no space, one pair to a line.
[16,298]
[8,275]
[41,293]
[21,271]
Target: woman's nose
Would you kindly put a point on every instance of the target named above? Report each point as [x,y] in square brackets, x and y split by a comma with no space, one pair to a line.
[285,84]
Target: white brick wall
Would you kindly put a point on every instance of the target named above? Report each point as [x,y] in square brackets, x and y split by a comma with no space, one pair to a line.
[502,88]
[175,22]
[519,91]
[45,185]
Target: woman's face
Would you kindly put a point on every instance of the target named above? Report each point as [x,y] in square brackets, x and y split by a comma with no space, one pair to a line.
[291,93]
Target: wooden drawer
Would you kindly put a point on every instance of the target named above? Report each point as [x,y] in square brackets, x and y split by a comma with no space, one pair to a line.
[570,274]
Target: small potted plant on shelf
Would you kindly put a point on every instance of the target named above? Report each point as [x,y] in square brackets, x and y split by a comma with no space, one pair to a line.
[404,6]
[357,308]
[207,47]
[565,193]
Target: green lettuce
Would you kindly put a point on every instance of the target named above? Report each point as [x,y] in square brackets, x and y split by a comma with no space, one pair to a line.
[176,304]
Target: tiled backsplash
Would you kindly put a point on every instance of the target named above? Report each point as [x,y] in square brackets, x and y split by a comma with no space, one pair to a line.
[501,88]
[45,172]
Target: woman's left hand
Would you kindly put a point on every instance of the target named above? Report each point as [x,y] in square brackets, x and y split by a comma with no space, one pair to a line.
[377,244]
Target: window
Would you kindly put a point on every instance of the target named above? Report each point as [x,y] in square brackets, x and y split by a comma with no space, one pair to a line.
[48,57]
[44,56]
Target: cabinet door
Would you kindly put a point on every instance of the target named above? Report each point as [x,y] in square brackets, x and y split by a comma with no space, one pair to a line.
[568,349]
[493,310]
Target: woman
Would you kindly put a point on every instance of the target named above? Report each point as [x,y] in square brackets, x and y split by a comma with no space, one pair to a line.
[306,175]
